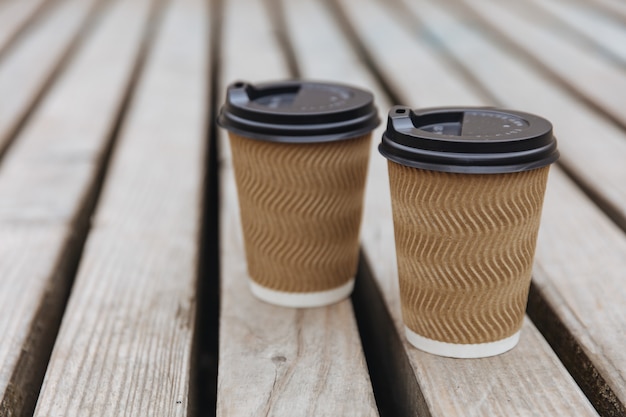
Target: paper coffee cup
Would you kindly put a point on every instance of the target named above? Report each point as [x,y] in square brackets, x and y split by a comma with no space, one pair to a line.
[300,153]
[467,187]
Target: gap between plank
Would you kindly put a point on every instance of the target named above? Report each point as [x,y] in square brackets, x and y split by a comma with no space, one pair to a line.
[66,57]
[276,14]
[608,208]
[573,356]
[208,288]
[351,35]
[32,366]
[27,23]
[396,390]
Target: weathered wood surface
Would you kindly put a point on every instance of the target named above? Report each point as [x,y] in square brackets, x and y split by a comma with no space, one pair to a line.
[579,272]
[135,288]
[26,69]
[125,344]
[15,16]
[47,185]
[273,360]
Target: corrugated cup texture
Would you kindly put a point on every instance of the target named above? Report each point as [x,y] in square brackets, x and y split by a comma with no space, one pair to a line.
[465,245]
[301,208]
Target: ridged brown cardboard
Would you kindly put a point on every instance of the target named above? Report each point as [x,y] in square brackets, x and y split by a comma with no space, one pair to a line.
[300,152]
[465,246]
[301,208]
[467,187]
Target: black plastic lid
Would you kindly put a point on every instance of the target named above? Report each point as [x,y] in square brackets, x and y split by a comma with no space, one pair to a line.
[474,140]
[298,111]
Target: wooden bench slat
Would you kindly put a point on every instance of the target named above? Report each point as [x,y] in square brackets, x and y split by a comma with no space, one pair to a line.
[46,186]
[580,271]
[25,262]
[569,61]
[125,345]
[273,360]
[520,382]
[48,45]
[15,16]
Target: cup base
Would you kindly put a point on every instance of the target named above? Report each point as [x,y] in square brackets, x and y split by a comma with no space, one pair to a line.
[302,300]
[455,350]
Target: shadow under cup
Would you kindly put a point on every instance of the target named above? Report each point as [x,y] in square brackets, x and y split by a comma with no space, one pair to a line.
[300,152]
[467,188]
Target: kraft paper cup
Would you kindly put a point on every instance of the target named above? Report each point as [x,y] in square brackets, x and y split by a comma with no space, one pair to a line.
[300,153]
[467,187]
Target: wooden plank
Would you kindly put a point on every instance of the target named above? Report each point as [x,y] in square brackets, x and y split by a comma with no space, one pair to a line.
[15,16]
[273,360]
[126,341]
[27,331]
[47,183]
[579,271]
[26,70]
[528,380]
[576,65]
